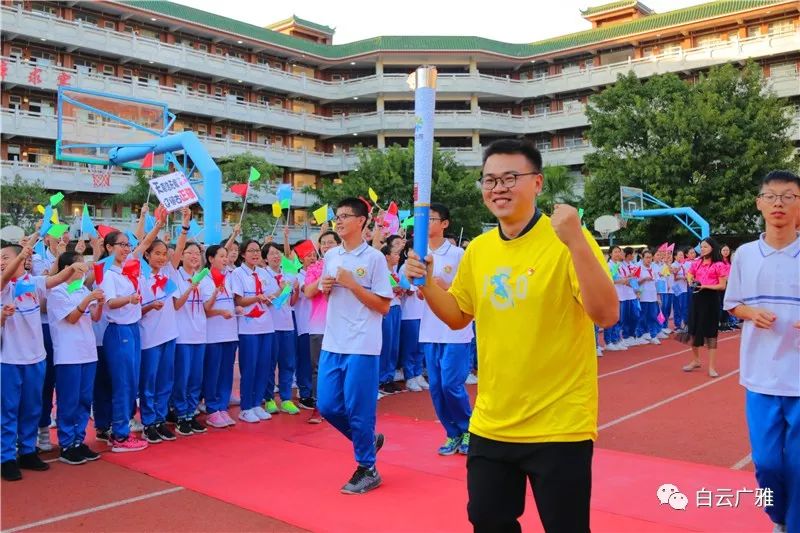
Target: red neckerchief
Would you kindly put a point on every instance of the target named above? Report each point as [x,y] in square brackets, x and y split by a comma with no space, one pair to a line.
[161,282]
[131,270]
[195,297]
[259,288]
[219,279]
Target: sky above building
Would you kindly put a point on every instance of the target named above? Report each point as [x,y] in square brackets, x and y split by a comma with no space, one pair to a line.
[511,21]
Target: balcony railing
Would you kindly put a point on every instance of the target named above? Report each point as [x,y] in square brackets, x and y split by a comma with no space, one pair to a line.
[87,36]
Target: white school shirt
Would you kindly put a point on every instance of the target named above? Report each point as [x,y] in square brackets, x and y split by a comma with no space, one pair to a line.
[192,323]
[619,287]
[768,279]
[431,329]
[302,309]
[72,343]
[647,285]
[411,306]
[281,318]
[115,285]
[23,341]
[40,264]
[219,328]
[350,326]
[663,282]
[243,283]
[679,285]
[396,300]
[158,325]
[625,292]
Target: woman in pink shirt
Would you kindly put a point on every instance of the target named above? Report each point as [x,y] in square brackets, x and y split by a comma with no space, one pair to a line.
[707,277]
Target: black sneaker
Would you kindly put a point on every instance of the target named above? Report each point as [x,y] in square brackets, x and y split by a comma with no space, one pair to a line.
[307,403]
[196,426]
[9,471]
[31,461]
[151,435]
[397,387]
[164,432]
[364,480]
[387,389]
[172,417]
[72,456]
[379,440]
[103,435]
[183,428]
[88,453]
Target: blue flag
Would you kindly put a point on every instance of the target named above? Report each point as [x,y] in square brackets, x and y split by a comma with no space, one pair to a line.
[194,229]
[23,287]
[132,238]
[404,283]
[87,226]
[39,248]
[170,287]
[149,222]
[107,262]
[284,194]
[145,268]
[403,214]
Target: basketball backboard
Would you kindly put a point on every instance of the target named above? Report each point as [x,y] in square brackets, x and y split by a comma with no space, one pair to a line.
[631,199]
[606,225]
[91,123]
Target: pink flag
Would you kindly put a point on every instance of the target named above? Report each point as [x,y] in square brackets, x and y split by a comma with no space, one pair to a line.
[671,248]
[661,319]
[663,247]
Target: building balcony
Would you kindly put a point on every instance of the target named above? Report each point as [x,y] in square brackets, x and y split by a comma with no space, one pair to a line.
[76,34]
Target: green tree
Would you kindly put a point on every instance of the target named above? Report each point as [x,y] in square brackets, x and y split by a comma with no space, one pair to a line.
[559,187]
[236,169]
[19,200]
[136,194]
[703,145]
[390,173]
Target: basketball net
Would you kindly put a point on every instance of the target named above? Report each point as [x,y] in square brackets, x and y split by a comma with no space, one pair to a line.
[101,176]
[623,222]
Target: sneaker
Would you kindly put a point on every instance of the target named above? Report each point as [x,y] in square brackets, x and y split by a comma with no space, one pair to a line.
[386,389]
[249,416]
[150,434]
[397,387]
[72,456]
[235,400]
[315,417]
[183,428]
[43,440]
[776,528]
[450,446]
[228,419]
[202,407]
[88,453]
[103,435]
[363,480]
[135,425]
[413,385]
[379,441]
[424,384]
[128,444]
[666,330]
[289,407]
[641,341]
[9,470]
[713,373]
[472,379]
[662,335]
[261,413]
[31,461]
[463,448]
[217,420]
[196,426]
[654,341]
[599,352]
[380,394]
[164,431]
[270,406]
[172,417]
[307,403]
[398,375]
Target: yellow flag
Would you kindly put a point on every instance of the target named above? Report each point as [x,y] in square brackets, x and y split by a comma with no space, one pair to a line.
[40,209]
[333,225]
[54,218]
[321,214]
[276,209]
[373,196]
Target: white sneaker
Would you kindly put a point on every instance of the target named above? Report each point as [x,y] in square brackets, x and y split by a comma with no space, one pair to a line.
[655,341]
[613,347]
[627,343]
[202,407]
[234,401]
[413,385]
[662,335]
[135,425]
[646,336]
[398,375]
[472,379]
[380,395]
[641,341]
[43,440]
[424,384]
[249,416]
[599,352]
[666,330]
[621,347]
[261,413]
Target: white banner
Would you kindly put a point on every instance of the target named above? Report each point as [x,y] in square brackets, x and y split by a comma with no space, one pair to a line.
[174,191]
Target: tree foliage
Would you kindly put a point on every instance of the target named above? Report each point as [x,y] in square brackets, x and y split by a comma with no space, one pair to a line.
[558,187]
[19,200]
[702,144]
[390,173]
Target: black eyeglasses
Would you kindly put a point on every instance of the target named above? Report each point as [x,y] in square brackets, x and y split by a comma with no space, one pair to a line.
[343,216]
[508,180]
[786,198]
[252,250]
[123,244]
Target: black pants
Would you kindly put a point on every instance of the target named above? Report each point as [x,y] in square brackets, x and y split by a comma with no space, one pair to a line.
[560,474]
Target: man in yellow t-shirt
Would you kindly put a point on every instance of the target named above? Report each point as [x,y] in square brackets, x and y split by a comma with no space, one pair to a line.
[535,286]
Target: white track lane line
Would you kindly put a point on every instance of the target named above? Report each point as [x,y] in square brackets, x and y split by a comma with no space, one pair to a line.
[91,510]
[743,462]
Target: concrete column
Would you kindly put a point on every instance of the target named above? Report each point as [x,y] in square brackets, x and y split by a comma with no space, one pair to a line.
[473,67]
[379,67]
[473,103]
[476,140]
[381,140]
[379,103]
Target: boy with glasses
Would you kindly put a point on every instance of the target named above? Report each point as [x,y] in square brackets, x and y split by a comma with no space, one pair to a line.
[356,280]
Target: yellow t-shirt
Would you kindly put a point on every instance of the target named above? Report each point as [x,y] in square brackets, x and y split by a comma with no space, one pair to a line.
[536,347]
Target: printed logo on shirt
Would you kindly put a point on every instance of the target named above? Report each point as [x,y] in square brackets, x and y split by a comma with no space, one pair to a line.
[448,269]
[500,290]
[361,272]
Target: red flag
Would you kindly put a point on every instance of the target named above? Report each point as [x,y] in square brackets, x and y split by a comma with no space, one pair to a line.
[147,162]
[255,312]
[240,189]
[161,213]
[104,230]
[392,208]
[98,272]
[366,203]
[218,277]
[305,248]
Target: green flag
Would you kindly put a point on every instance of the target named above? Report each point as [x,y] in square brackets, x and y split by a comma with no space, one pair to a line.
[56,198]
[580,213]
[198,277]
[74,285]
[392,282]
[255,175]
[288,266]
[287,290]
[57,230]
[408,222]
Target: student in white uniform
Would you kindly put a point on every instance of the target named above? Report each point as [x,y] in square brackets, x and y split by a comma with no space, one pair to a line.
[763,290]
[390,327]
[43,265]
[284,340]
[649,328]
[71,313]
[613,335]
[411,354]
[356,281]
[253,290]
[222,337]
[447,351]
[302,319]
[22,360]
[680,291]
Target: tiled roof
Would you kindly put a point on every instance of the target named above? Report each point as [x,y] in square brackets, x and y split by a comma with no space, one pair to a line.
[594,10]
[303,22]
[713,9]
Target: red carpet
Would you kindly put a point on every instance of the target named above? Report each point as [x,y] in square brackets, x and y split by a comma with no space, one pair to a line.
[292,471]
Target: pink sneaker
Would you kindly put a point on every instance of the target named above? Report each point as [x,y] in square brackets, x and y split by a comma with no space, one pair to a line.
[128,444]
[230,421]
[217,420]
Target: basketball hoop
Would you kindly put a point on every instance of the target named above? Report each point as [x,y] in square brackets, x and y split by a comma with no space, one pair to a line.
[101,176]
[623,222]
[606,225]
